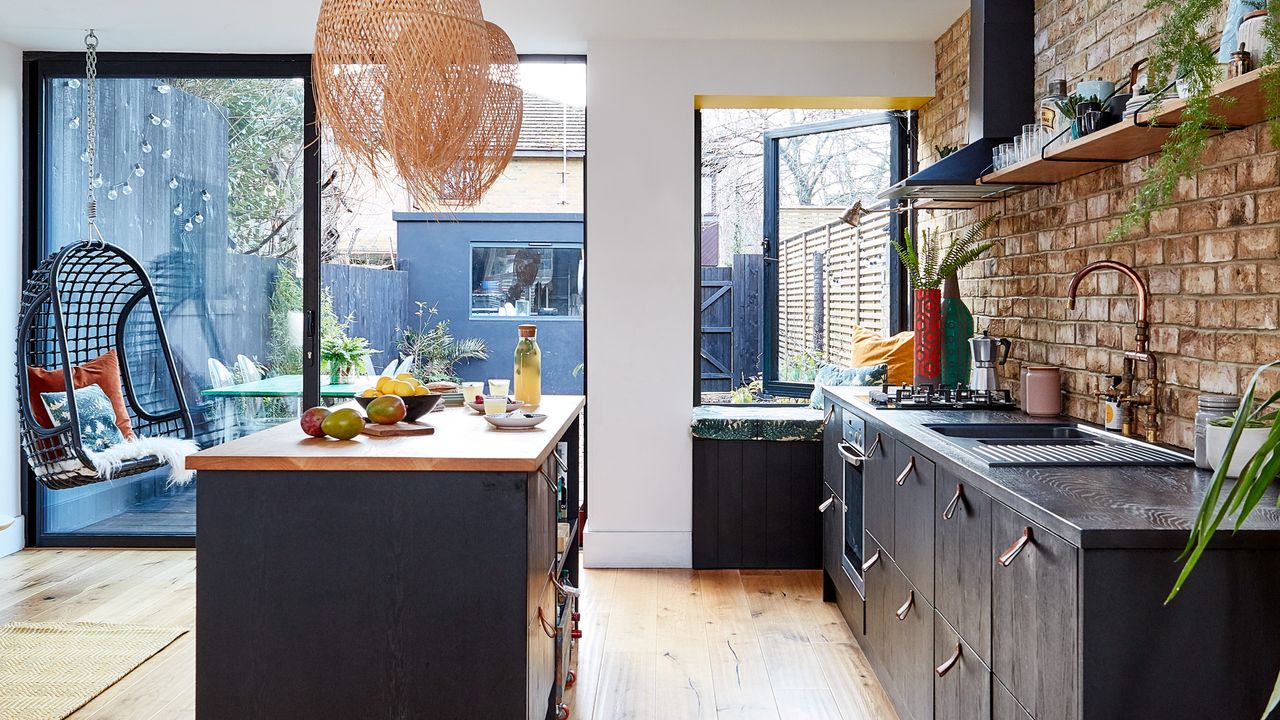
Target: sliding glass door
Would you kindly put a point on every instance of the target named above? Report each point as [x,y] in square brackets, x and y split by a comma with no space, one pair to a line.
[205,167]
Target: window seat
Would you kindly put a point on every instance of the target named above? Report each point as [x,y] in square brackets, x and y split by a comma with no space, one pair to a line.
[757,422]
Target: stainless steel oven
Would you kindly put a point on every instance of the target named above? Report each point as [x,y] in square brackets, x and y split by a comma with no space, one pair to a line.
[853,453]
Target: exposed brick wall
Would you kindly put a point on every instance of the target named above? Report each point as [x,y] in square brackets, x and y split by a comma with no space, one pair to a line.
[1211,259]
[944,120]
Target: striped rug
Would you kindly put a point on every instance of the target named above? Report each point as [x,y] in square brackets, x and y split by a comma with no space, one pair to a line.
[50,670]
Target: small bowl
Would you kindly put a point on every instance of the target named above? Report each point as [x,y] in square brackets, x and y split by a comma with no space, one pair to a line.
[514,420]
[479,407]
[415,406]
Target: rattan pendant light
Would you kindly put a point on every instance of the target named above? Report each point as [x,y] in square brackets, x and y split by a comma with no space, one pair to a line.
[404,79]
[493,141]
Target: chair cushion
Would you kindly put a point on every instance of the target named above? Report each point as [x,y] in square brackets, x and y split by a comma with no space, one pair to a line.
[898,352]
[837,376]
[757,422]
[103,371]
[98,429]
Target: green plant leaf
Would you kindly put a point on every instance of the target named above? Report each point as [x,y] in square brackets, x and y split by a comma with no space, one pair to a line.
[1274,702]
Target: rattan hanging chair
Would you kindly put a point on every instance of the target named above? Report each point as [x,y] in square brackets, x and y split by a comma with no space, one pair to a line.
[87,299]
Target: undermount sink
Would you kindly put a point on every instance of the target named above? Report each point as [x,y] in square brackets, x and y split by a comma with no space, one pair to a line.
[1060,444]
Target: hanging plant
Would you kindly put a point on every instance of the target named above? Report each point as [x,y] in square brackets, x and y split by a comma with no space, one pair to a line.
[1182,53]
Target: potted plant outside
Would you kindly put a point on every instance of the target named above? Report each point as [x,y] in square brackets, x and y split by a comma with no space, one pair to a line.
[344,356]
[927,266]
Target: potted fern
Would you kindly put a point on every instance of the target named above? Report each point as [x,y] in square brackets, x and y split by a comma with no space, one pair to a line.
[927,267]
[1258,471]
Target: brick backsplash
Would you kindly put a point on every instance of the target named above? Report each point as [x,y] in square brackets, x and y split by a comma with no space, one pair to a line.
[1211,259]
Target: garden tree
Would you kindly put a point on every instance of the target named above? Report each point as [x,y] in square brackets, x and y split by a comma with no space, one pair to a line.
[264,167]
[829,169]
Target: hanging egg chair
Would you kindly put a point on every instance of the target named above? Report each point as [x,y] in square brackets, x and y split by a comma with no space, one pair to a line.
[90,331]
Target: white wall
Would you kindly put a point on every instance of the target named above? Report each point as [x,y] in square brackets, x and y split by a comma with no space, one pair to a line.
[10,289]
[640,258]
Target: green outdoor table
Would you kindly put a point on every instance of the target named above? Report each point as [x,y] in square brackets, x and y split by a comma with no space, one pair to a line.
[280,386]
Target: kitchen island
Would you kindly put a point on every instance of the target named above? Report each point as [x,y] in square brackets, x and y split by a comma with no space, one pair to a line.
[405,577]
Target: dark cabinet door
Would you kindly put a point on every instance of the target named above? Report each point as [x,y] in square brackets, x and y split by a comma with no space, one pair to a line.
[913,634]
[963,563]
[1034,615]
[832,463]
[962,683]
[880,581]
[1003,706]
[877,480]
[832,547]
[913,518]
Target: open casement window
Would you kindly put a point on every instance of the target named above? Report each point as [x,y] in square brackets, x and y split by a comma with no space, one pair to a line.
[823,274]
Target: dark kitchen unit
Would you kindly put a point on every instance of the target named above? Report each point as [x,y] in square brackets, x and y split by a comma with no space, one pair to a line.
[1037,591]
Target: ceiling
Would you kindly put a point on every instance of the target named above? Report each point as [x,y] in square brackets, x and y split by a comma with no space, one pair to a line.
[536,26]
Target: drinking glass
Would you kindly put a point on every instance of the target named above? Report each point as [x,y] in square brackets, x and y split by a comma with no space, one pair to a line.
[1031,139]
[495,404]
[997,157]
[1006,154]
[1018,152]
[471,390]
[499,387]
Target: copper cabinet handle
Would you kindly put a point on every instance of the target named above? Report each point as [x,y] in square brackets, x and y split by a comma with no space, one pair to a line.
[1008,555]
[871,562]
[826,503]
[949,663]
[906,471]
[906,606]
[955,501]
[875,444]
[830,414]
[847,452]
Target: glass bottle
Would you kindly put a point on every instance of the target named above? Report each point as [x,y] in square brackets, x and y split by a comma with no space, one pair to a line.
[1051,116]
[528,368]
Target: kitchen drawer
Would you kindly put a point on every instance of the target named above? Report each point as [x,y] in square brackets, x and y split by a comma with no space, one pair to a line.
[1033,627]
[913,518]
[832,463]
[900,632]
[1003,706]
[839,587]
[540,534]
[962,564]
[877,483]
[962,683]
[541,653]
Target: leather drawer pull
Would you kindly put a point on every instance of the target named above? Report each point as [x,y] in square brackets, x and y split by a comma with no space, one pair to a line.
[1016,548]
[826,504]
[848,451]
[955,501]
[547,628]
[949,663]
[875,444]
[830,414]
[906,471]
[565,588]
[906,606]
[871,562]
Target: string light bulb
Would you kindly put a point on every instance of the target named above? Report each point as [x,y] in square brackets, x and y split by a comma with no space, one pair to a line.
[167,153]
[205,196]
[73,83]
[153,118]
[146,146]
[126,188]
[163,88]
[177,209]
[74,122]
[138,170]
[173,183]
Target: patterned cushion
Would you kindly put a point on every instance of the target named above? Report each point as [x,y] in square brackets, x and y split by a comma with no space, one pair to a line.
[98,429]
[837,376]
[757,422]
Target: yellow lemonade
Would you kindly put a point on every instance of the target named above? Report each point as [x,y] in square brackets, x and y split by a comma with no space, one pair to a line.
[528,368]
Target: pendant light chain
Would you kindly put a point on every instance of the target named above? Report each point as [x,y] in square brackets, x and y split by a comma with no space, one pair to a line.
[91,128]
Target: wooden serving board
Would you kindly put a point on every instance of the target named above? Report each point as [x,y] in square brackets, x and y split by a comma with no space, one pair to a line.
[400,429]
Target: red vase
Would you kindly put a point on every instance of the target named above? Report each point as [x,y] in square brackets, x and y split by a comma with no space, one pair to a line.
[928,339]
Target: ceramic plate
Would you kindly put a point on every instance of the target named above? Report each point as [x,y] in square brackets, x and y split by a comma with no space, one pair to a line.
[511,420]
[479,407]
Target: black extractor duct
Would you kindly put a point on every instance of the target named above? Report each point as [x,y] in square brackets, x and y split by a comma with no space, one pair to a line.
[1001,100]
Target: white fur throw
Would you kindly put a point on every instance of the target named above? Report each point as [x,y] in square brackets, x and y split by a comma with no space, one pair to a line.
[171,451]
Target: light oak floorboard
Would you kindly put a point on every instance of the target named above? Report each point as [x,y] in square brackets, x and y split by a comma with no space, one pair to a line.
[656,644]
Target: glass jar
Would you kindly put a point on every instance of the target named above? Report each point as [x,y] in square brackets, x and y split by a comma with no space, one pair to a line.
[1210,407]
[528,366]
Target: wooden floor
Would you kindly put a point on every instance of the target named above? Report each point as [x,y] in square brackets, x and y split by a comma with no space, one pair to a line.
[657,644]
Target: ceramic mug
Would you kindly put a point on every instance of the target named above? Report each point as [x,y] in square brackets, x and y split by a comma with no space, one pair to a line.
[1043,393]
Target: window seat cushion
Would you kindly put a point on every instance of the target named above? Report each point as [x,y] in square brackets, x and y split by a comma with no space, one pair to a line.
[757,422]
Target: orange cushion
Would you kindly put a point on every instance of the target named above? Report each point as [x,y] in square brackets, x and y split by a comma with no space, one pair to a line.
[103,371]
[898,352]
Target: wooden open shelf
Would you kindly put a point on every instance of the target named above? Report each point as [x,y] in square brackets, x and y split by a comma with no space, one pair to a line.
[1127,141]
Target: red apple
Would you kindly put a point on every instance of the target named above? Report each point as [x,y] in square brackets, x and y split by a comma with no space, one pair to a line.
[312,419]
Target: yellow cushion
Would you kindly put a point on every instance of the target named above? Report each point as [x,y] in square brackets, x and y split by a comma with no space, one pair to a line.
[898,352]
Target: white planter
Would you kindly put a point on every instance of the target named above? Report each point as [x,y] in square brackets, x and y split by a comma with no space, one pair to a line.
[1216,446]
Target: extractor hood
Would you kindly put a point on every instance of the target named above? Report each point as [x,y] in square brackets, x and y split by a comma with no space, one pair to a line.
[1001,99]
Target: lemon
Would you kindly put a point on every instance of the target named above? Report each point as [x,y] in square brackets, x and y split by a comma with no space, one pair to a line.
[422,391]
[371,392]
[406,377]
[401,388]
[384,384]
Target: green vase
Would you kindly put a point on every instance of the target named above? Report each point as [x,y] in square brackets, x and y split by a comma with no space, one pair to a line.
[957,328]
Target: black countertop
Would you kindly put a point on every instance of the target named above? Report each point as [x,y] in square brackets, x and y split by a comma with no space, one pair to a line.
[1091,507]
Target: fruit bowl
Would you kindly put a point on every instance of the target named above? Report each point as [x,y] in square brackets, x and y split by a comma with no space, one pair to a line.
[415,406]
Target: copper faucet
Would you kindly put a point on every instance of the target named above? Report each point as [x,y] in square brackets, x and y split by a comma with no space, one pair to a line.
[1142,353]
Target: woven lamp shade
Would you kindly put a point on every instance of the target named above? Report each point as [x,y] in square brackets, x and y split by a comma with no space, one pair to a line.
[493,141]
[405,78]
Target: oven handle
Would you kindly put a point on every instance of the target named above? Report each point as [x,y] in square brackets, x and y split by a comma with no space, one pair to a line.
[850,453]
